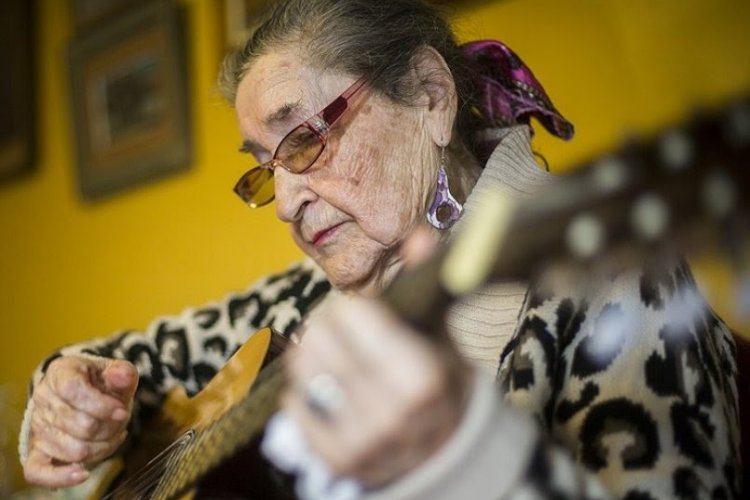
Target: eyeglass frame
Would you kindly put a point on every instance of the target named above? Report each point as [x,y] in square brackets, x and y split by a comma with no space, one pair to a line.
[319,124]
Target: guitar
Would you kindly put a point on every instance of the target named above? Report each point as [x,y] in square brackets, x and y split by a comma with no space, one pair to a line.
[191,435]
[681,188]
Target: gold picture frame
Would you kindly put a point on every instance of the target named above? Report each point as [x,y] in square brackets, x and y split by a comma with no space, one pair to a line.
[88,13]
[17,89]
[130,100]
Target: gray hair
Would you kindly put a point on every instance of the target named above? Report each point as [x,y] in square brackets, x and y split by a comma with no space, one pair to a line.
[377,39]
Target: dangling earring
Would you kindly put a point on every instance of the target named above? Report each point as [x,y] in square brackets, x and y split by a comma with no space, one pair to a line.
[445,210]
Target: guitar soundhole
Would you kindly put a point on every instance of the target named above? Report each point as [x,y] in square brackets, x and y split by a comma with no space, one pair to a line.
[246,475]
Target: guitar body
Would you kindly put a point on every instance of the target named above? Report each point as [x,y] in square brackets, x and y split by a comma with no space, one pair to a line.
[131,476]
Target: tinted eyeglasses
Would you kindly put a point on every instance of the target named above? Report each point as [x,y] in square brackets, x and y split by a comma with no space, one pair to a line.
[296,152]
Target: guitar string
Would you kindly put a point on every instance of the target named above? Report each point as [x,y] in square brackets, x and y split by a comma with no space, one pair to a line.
[142,490]
[148,476]
[211,446]
[177,463]
[145,478]
[148,484]
[154,470]
[241,422]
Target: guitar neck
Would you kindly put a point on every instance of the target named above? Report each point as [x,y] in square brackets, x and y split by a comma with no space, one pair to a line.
[672,193]
[673,190]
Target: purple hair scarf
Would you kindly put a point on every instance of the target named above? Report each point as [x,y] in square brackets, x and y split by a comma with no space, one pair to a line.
[509,91]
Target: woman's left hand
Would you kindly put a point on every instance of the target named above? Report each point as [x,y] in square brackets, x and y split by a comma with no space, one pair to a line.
[374,398]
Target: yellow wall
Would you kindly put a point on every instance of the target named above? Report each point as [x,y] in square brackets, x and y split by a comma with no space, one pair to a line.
[71,270]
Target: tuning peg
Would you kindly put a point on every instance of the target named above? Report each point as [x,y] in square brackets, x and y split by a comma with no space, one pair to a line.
[742,302]
[733,237]
[584,236]
[737,126]
[719,194]
[610,174]
[649,216]
[738,258]
[676,150]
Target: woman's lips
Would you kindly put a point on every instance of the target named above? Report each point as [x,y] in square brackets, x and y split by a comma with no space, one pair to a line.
[321,237]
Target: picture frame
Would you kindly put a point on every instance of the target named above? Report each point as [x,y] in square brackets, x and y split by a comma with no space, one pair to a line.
[17,89]
[240,16]
[87,13]
[130,100]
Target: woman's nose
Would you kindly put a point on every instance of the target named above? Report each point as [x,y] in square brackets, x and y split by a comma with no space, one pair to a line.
[292,194]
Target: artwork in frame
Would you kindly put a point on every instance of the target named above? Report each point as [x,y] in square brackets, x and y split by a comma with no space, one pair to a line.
[87,13]
[130,103]
[17,85]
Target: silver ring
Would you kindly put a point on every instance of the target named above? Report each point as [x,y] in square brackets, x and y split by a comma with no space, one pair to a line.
[324,395]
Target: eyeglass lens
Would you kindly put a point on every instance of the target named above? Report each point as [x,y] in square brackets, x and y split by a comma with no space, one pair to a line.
[299,149]
[256,187]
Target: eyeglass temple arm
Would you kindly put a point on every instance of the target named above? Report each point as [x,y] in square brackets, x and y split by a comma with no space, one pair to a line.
[333,111]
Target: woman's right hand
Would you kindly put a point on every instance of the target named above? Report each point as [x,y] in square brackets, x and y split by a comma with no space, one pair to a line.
[81,410]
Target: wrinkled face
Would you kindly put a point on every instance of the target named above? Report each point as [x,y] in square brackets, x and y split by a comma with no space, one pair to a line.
[366,192]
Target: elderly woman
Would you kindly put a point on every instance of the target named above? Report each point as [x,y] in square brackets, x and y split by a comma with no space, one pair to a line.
[368,122]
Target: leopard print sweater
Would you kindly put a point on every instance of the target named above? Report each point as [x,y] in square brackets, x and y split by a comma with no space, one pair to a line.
[634,381]
[189,349]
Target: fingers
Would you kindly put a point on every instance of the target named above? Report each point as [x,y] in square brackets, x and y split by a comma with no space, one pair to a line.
[353,439]
[53,412]
[66,449]
[398,406]
[74,381]
[120,379]
[380,343]
[80,415]
[332,439]
[39,470]
[419,246]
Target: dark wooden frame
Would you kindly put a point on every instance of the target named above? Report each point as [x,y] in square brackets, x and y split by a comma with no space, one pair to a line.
[130,99]
[17,88]
[87,13]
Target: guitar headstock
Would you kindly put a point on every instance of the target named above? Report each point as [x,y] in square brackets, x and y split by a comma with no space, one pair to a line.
[678,188]
[675,192]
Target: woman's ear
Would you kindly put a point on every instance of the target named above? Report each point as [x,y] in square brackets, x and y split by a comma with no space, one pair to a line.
[436,81]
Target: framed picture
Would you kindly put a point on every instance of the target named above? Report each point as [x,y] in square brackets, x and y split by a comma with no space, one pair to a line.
[240,16]
[129,96]
[17,85]
[87,13]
